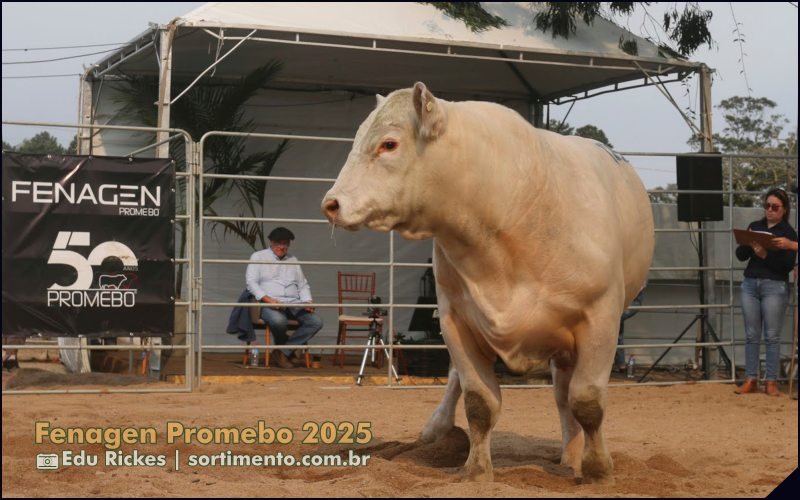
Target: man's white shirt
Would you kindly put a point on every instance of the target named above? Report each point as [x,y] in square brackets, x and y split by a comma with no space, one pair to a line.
[284,282]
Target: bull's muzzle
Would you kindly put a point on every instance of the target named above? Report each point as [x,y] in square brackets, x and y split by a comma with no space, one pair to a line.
[330,207]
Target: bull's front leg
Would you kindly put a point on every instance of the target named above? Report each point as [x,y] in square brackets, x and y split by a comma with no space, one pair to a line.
[475,369]
[444,417]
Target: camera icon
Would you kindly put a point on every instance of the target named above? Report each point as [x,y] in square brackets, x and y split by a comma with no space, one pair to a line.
[47,461]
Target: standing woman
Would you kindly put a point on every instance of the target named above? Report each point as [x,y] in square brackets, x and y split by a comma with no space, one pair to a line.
[765,291]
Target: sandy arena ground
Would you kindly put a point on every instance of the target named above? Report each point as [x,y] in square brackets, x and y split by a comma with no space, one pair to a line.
[696,440]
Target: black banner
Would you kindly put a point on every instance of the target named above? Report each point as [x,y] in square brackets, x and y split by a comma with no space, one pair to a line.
[88,246]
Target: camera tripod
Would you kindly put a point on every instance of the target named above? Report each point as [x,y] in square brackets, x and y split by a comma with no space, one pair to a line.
[373,340]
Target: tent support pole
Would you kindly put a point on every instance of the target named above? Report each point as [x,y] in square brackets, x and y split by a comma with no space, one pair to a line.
[705,104]
[164,88]
[537,113]
[84,143]
[707,278]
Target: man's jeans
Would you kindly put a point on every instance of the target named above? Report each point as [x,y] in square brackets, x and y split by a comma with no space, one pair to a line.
[763,303]
[277,319]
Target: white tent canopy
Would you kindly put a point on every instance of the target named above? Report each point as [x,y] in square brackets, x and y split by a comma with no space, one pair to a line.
[375,47]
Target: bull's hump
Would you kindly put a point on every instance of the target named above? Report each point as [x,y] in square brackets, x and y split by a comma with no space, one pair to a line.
[614,155]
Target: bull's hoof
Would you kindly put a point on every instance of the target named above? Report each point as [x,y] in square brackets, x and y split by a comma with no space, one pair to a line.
[576,467]
[477,474]
[434,431]
[428,437]
[573,461]
[607,479]
[597,472]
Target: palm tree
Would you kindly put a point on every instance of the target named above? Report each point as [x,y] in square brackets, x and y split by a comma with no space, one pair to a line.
[219,108]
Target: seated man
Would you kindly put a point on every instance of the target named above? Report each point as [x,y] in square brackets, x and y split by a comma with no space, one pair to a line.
[282,284]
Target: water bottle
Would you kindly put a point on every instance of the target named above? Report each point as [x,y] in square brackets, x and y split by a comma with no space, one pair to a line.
[631,366]
[253,357]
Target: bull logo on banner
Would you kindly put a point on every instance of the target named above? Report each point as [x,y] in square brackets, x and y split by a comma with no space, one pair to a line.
[118,273]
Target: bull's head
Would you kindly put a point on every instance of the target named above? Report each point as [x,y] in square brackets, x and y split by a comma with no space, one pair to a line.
[389,178]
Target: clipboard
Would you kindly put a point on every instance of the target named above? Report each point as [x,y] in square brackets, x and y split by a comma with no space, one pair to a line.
[763,238]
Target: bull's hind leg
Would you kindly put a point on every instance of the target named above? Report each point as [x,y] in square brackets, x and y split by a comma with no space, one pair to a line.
[444,417]
[475,366]
[561,367]
[587,394]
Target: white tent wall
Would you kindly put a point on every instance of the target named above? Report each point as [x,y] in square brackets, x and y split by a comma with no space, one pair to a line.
[106,110]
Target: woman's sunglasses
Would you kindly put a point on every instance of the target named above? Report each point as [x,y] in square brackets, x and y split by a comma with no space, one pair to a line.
[772,206]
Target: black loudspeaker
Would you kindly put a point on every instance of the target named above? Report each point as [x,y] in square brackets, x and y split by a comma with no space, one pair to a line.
[426,362]
[699,173]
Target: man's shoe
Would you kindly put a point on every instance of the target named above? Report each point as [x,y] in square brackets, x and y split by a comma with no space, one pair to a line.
[772,388]
[297,359]
[280,359]
[749,386]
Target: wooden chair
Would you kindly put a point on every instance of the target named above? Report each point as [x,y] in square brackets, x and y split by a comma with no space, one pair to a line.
[354,288]
[258,323]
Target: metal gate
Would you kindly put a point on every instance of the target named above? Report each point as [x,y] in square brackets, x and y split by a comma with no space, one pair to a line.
[196,263]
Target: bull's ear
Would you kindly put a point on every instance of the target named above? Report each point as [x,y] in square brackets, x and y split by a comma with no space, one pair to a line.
[431,116]
[380,99]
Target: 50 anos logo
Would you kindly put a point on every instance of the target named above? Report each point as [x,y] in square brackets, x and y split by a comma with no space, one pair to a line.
[105,279]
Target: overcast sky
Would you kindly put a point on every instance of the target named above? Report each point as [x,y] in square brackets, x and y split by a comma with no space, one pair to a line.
[770,65]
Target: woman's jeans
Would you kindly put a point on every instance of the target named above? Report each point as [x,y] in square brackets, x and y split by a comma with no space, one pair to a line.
[763,304]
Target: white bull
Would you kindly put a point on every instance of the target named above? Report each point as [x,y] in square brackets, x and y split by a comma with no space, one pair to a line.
[540,242]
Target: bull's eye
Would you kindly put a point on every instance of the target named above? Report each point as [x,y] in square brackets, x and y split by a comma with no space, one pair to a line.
[387,147]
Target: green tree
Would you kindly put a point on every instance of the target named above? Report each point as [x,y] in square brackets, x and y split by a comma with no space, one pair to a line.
[72,149]
[664,197]
[471,13]
[41,143]
[752,127]
[592,132]
[8,147]
[588,131]
[687,28]
[560,127]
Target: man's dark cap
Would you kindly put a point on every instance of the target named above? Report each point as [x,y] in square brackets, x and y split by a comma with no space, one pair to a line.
[281,234]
